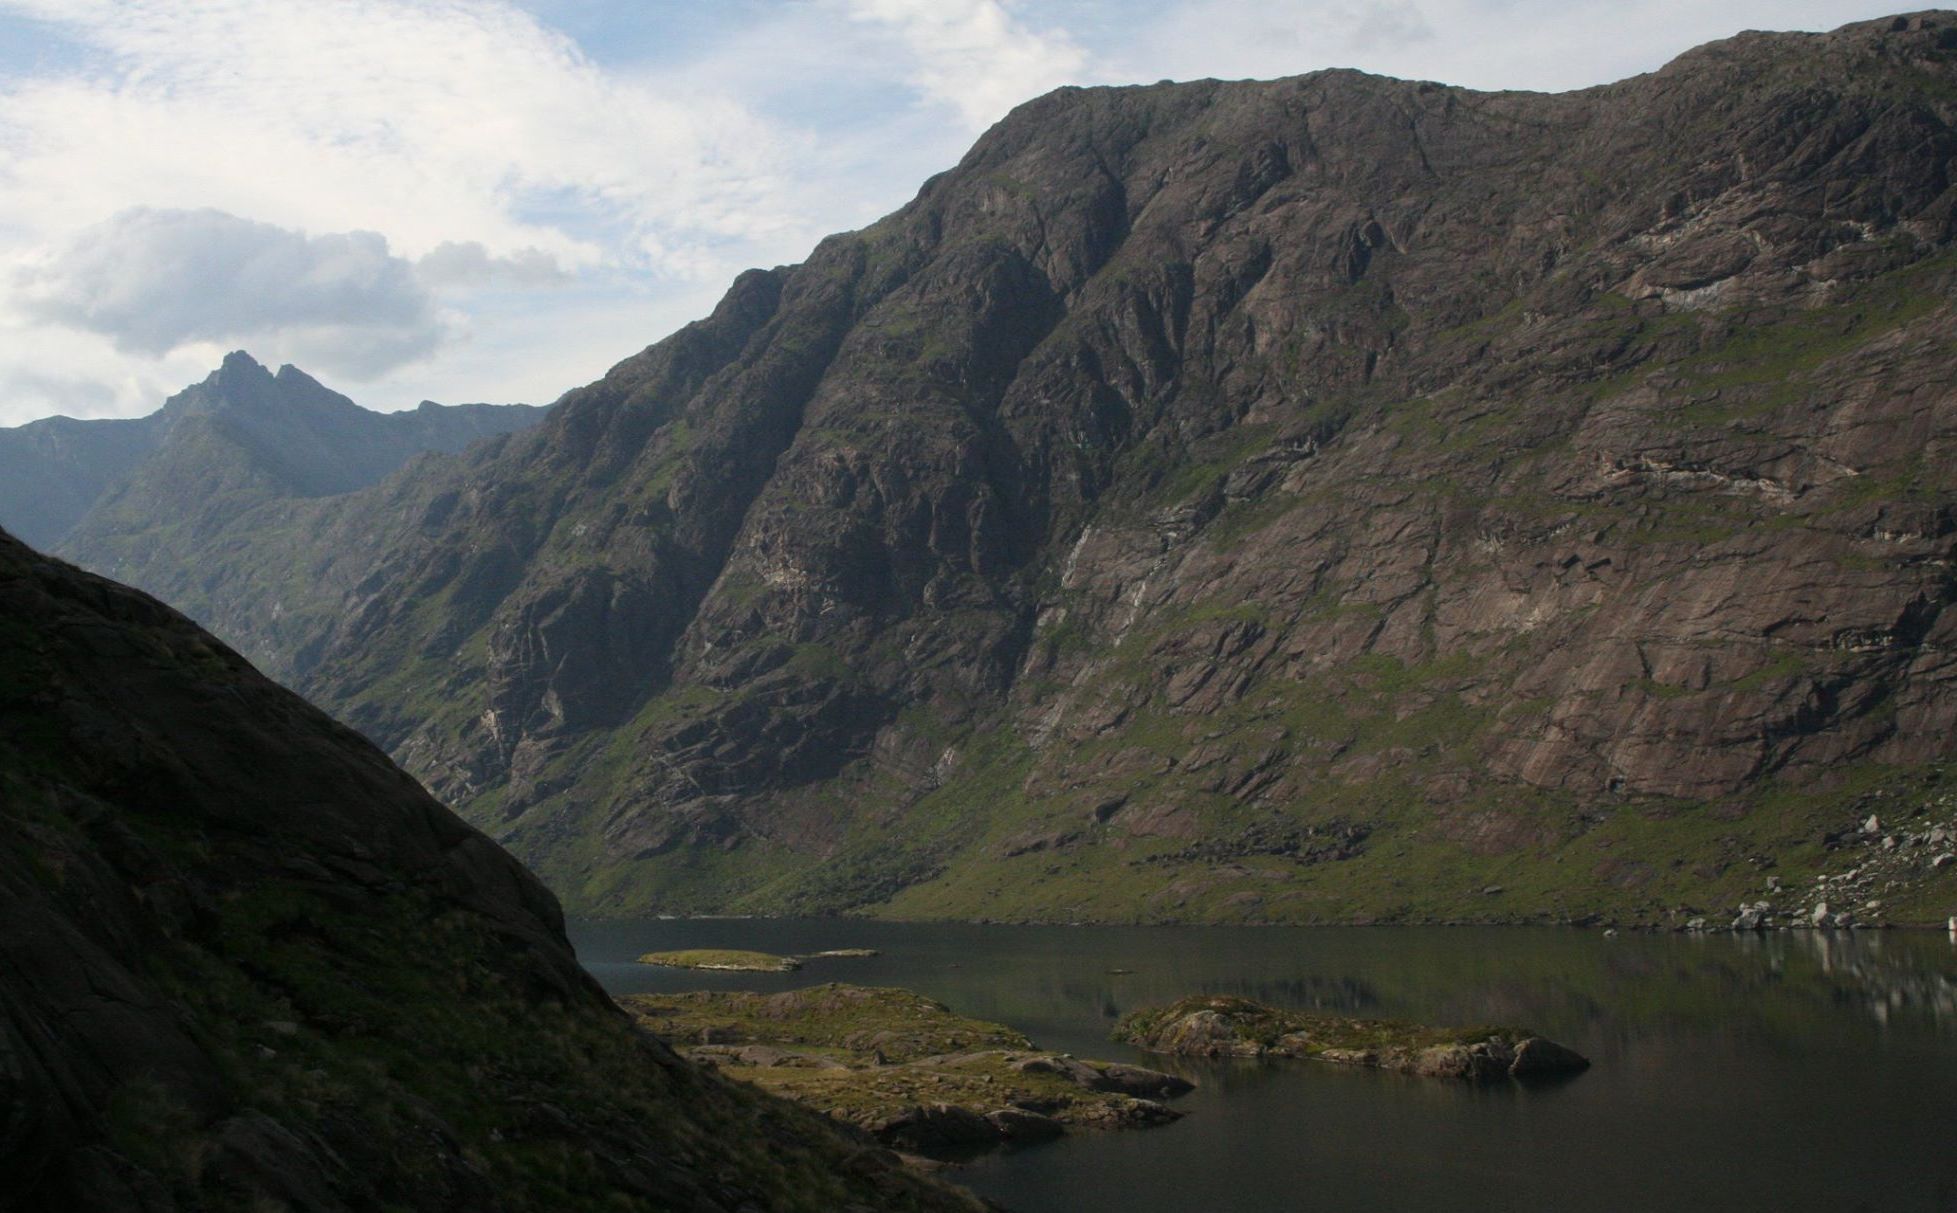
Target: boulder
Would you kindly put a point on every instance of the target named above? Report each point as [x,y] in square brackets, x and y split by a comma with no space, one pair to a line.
[1538,1056]
[938,1126]
[1753,917]
[1022,1125]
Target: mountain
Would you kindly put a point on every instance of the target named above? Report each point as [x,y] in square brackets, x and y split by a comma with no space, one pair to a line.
[243,431]
[52,470]
[1329,499]
[247,963]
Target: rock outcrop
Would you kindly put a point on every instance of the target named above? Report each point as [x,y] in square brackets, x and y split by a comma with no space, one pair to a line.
[246,962]
[1210,1026]
[1314,500]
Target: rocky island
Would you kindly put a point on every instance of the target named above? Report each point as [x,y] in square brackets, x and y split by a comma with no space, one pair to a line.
[905,1068]
[1218,1026]
[724,960]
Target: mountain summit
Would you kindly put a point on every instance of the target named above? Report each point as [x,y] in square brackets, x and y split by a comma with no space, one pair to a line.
[282,435]
[1323,499]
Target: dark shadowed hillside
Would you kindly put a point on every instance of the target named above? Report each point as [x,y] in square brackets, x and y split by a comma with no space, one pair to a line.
[246,963]
[1331,498]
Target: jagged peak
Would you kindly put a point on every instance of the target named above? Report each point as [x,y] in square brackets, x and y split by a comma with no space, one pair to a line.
[243,385]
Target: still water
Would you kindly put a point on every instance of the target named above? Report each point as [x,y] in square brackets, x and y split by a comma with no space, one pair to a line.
[1805,1071]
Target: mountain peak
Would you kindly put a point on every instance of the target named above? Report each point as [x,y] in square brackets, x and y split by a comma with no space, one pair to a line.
[239,382]
[291,374]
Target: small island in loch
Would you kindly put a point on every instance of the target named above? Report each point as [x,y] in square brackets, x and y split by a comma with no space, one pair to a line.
[726,960]
[1221,1026]
[905,1068]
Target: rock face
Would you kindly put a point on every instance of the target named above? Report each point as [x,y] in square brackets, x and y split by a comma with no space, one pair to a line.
[1239,1027]
[1322,499]
[246,962]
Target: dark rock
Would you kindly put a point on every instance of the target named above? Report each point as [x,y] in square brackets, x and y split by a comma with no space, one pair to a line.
[940,1126]
[1538,1056]
[1135,1080]
[1023,1126]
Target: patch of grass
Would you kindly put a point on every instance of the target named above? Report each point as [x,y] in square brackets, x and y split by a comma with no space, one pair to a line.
[843,1019]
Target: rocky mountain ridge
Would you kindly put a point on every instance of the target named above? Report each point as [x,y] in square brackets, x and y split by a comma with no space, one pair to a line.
[94,484]
[247,963]
[1326,499]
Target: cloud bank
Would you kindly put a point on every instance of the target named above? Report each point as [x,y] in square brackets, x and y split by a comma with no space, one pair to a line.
[152,281]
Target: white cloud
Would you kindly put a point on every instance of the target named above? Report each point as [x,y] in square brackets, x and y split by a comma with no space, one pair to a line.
[70,395]
[975,56]
[153,281]
[427,121]
[474,141]
[468,263]
[1492,44]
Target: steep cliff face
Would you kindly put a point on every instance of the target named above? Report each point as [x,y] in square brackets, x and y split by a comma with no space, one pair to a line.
[247,963]
[1324,498]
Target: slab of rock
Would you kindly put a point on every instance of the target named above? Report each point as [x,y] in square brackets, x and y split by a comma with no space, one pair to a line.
[1107,1076]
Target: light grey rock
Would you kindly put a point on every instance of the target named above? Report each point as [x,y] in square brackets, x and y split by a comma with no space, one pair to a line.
[1753,917]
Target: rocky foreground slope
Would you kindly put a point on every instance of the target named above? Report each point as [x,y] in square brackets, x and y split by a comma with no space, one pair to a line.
[1325,499]
[246,963]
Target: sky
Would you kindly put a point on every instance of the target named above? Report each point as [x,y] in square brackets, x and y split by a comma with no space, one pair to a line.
[496,200]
